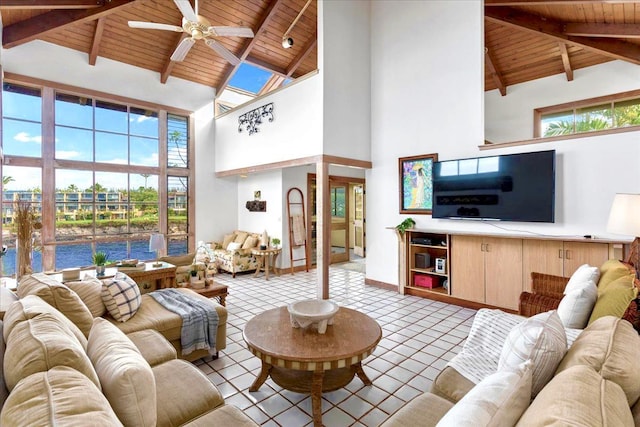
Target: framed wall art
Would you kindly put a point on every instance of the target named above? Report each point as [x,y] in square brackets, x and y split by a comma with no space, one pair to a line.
[416,183]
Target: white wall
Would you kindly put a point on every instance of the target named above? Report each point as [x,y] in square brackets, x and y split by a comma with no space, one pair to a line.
[426,97]
[295,132]
[345,66]
[270,186]
[510,118]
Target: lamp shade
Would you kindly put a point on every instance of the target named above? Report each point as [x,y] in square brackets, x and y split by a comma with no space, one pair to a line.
[624,217]
[156,242]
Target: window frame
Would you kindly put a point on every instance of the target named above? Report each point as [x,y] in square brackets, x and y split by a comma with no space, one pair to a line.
[584,103]
[49,164]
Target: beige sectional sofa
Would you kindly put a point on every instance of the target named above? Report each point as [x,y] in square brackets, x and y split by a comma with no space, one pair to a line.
[55,375]
[596,382]
[239,259]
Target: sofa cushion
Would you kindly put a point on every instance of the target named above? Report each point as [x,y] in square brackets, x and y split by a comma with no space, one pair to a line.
[498,400]
[577,304]
[226,415]
[451,385]
[90,292]
[615,299]
[183,393]
[41,343]
[59,296]
[126,378]
[153,346]
[583,274]
[611,271]
[121,296]
[578,396]
[59,396]
[233,246]
[610,346]
[250,242]
[32,306]
[542,340]
[228,238]
[241,236]
[423,410]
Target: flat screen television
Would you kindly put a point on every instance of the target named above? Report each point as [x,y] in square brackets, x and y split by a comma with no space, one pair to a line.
[514,187]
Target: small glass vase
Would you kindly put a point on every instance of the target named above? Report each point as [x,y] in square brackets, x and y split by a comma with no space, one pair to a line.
[100,269]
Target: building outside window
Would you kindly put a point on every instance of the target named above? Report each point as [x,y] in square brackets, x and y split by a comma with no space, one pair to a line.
[102,187]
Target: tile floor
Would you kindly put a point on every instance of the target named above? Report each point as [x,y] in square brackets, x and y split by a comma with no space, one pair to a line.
[419,337]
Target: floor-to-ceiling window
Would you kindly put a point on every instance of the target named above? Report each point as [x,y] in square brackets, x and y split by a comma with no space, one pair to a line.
[101,174]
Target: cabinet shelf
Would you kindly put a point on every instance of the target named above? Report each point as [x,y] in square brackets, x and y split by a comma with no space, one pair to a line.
[438,290]
[444,248]
[422,259]
[427,271]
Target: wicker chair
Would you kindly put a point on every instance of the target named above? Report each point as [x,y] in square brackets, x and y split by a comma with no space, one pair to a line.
[547,291]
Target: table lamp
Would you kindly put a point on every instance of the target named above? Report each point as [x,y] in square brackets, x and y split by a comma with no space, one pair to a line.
[156,243]
[624,218]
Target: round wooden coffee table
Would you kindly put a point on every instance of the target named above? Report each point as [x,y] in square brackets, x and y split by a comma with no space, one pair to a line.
[304,361]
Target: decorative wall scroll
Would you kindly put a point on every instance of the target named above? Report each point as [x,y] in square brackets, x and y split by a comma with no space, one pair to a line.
[250,120]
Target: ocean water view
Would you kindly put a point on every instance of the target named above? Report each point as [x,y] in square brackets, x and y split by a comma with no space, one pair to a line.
[68,256]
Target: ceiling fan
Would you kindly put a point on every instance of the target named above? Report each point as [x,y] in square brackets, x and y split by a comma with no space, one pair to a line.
[198,28]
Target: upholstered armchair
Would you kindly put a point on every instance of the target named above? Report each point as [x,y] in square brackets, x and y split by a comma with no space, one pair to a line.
[233,254]
[185,263]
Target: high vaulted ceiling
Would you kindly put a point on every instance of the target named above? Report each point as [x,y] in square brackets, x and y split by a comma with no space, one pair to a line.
[524,39]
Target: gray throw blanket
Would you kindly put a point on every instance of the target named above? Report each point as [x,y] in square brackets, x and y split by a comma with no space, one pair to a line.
[199,319]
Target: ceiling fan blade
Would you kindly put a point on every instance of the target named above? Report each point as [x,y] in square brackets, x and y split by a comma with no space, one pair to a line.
[223,51]
[186,10]
[231,31]
[154,26]
[182,49]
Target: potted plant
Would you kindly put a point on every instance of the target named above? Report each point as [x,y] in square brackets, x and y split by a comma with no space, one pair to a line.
[99,260]
[405,225]
[194,273]
[275,242]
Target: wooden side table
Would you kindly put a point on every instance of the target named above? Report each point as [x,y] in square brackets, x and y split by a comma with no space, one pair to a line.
[266,260]
[152,278]
[213,290]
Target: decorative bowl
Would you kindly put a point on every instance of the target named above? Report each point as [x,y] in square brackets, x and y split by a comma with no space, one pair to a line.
[312,311]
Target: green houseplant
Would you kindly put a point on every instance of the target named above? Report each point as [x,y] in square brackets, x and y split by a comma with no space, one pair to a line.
[100,260]
[275,242]
[405,225]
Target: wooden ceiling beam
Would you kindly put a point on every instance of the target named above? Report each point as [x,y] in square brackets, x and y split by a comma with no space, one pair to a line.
[629,31]
[566,63]
[169,64]
[50,4]
[613,48]
[550,2]
[36,27]
[266,18]
[313,41]
[97,38]
[266,66]
[273,83]
[495,76]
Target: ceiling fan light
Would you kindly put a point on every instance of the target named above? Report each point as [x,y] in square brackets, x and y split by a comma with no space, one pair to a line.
[287,42]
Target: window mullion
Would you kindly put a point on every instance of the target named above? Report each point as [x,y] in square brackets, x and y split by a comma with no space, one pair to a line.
[48,181]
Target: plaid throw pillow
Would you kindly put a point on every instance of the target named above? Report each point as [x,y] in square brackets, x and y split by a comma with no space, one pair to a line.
[121,296]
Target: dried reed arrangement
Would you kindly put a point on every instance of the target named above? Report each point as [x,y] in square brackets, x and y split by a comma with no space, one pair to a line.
[26,222]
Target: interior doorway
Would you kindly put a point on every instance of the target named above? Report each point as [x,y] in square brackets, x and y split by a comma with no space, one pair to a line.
[347,218]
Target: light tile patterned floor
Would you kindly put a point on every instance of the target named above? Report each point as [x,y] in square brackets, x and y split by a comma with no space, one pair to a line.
[419,337]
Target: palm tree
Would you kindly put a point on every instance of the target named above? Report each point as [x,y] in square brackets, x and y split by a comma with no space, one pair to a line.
[145,176]
[6,180]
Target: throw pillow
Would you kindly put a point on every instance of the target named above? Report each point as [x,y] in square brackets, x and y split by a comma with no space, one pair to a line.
[584,274]
[228,238]
[59,296]
[125,376]
[241,236]
[90,292]
[233,246]
[632,314]
[498,400]
[121,296]
[615,299]
[611,271]
[251,242]
[542,340]
[577,304]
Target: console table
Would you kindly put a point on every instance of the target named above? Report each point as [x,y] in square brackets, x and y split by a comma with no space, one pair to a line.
[153,277]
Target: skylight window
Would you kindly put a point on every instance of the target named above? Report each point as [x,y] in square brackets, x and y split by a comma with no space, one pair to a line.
[249,78]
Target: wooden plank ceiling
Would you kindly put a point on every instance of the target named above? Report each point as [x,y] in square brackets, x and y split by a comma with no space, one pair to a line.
[524,39]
